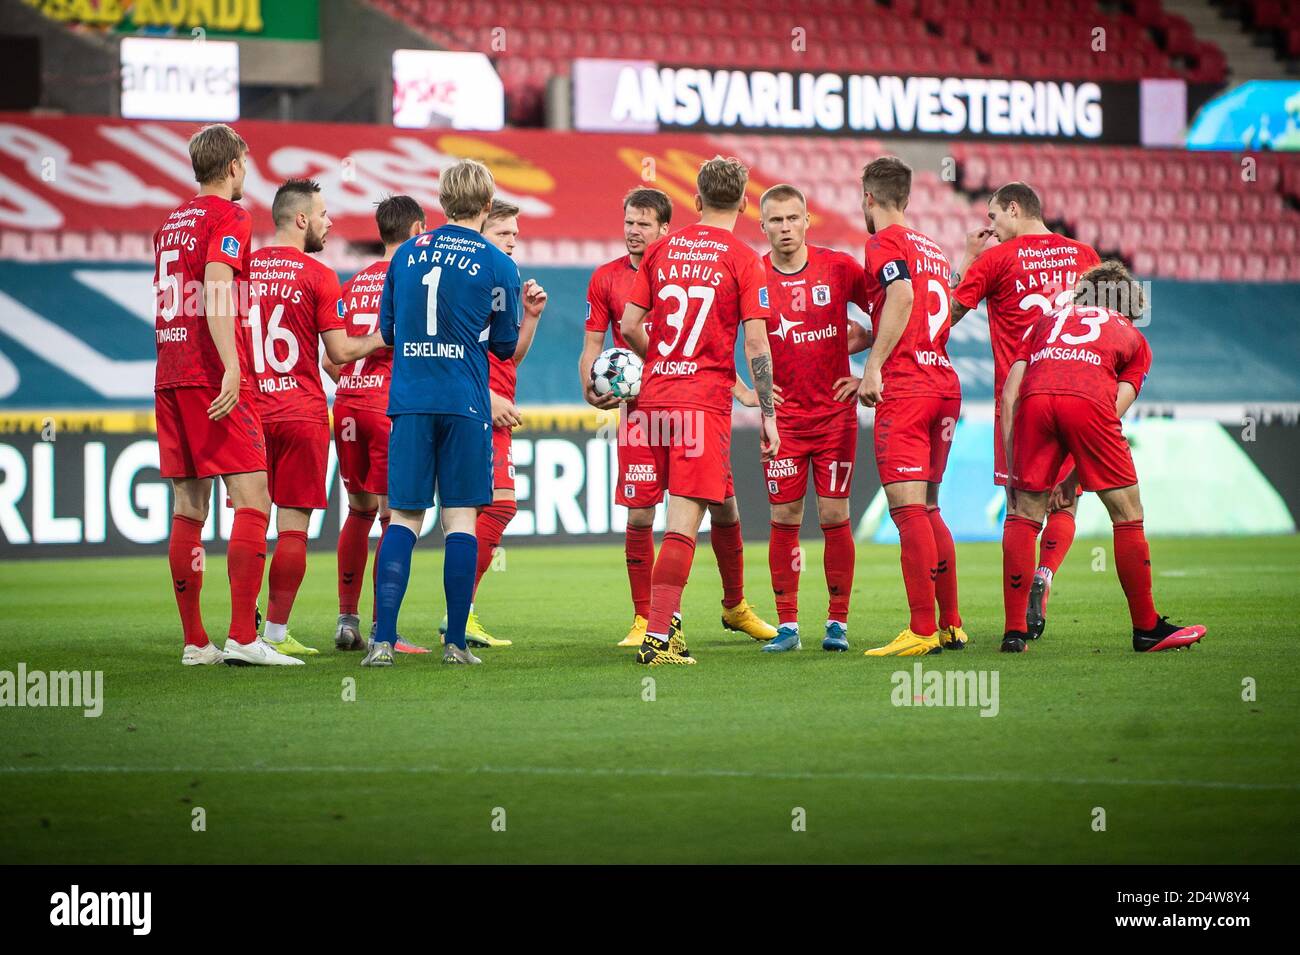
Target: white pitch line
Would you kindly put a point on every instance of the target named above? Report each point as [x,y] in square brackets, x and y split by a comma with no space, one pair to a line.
[639,772]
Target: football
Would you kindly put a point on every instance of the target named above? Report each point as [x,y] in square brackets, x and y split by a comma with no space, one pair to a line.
[616,371]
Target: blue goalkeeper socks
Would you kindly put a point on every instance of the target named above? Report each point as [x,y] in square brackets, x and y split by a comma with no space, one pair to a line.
[394,560]
[459,564]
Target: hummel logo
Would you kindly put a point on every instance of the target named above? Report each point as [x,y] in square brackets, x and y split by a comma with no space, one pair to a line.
[347,578]
[180,586]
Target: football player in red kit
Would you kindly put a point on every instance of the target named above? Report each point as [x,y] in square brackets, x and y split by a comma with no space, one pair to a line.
[208,424]
[811,335]
[296,304]
[646,217]
[911,383]
[697,286]
[1031,272]
[1075,374]
[502,230]
[361,424]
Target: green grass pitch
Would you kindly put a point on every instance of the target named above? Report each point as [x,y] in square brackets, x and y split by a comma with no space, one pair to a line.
[555,732]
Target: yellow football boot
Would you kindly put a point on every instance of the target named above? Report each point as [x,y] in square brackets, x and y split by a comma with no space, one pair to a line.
[742,619]
[654,653]
[636,634]
[908,644]
[291,647]
[954,638]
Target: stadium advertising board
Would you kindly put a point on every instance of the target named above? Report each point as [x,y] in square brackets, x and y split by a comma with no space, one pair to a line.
[180,79]
[269,19]
[1261,114]
[78,486]
[440,89]
[642,96]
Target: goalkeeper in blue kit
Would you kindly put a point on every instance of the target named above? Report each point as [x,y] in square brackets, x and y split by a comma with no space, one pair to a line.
[449,298]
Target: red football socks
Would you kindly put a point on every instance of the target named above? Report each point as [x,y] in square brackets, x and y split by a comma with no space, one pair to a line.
[1058,535]
[288,567]
[1133,564]
[919,556]
[945,580]
[783,562]
[729,549]
[672,567]
[838,562]
[639,548]
[186,555]
[1019,534]
[489,527]
[353,551]
[245,562]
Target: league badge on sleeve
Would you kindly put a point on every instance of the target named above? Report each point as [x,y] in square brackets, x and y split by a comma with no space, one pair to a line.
[339,307]
[762,296]
[230,246]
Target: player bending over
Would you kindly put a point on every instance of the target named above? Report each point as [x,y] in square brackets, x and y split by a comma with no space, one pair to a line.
[809,289]
[911,383]
[361,425]
[1030,273]
[697,285]
[1075,374]
[450,297]
[296,304]
[207,416]
[646,216]
[502,229]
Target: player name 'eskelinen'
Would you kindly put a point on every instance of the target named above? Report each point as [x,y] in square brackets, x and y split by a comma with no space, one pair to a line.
[432,350]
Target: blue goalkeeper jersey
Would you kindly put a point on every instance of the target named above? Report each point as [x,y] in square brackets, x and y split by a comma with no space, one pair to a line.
[449,298]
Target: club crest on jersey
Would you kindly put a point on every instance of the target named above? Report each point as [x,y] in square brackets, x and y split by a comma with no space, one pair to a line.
[821,294]
[629,490]
[762,296]
[230,246]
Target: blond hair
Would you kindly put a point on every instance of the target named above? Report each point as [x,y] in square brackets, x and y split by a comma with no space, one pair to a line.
[466,189]
[782,191]
[212,150]
[721,182]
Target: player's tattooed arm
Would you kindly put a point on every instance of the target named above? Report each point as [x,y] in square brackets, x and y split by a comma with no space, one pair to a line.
[760,367]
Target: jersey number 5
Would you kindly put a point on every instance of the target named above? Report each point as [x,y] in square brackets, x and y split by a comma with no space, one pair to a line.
[677,318]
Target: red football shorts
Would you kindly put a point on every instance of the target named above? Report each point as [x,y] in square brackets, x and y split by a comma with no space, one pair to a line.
[913,435]
[1050,427]
[1000,456]
[503,460]
[361,440]
[829,455]
[685,452]
[191,445]
[297,455]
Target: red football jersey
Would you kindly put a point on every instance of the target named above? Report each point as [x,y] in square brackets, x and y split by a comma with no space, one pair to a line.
[364,382]
[808,332]
[607,294]
[1083,350]
[294,299]
[699,284]
[919,363]
[1023,279]
[205,229]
